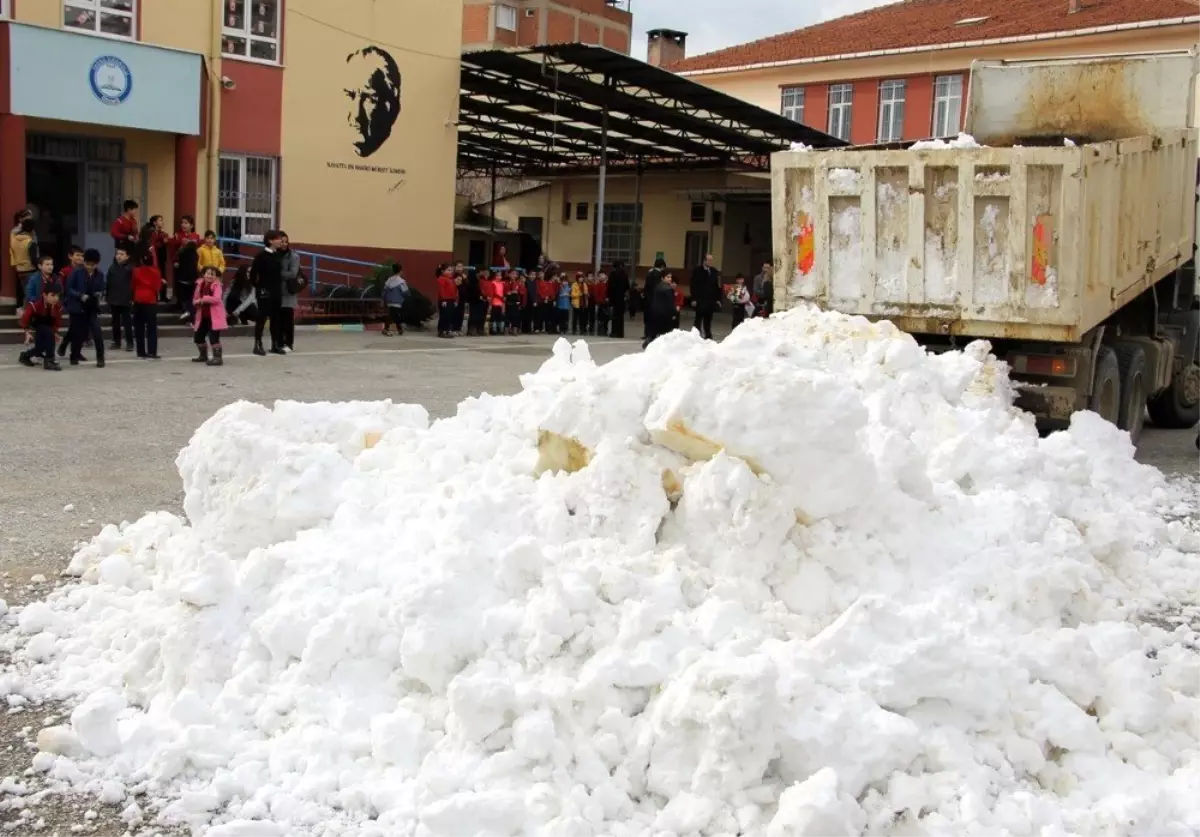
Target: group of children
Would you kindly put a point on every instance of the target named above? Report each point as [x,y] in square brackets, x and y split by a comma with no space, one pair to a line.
[509,301]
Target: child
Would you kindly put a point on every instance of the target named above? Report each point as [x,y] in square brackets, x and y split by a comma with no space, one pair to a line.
[44,275]
[497,304]
[564,305]
[600,303]
[147,283]
[578,300]
[589,304]
[186,272]
[678,300]
[447,300]
[125,229]
[22,254]
[513,292]
[544,318]
[209,254]
[239,299]
[395,293]
[186,235]
[210,318]
[119,296]
[739,296]
[74,263]
[529,302]
[662,309]
[479,289]
[84,292]
[41,318]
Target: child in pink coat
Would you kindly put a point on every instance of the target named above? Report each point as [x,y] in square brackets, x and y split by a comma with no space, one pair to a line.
[210,319]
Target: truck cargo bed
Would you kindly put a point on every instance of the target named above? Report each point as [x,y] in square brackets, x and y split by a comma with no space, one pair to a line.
[1041,242]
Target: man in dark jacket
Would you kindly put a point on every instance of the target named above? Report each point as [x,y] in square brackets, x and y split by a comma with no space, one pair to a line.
[660,309]
[706,295]
[266,275]
[119,295]
[618,292]
[653,278]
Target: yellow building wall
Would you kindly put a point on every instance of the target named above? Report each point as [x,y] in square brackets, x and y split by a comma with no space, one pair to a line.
[181,24]
[40,12]
[401,196]
[666,215]
[762,87]
[156,151]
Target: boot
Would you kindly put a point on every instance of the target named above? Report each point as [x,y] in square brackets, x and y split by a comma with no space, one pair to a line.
[258,349]
[217,360]
[51,365]
[201,354]
[26,359]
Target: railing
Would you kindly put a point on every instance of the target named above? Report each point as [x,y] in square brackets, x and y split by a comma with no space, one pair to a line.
[337,287]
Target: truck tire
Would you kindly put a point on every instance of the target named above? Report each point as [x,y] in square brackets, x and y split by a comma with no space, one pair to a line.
[1131,360]
[1178,406]
[1106,388]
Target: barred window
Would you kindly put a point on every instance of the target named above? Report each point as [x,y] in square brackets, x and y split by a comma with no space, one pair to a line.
[250,29]
[247,196]
[622,231]
[114,18]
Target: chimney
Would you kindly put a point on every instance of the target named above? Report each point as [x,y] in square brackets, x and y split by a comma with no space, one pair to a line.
[665,47]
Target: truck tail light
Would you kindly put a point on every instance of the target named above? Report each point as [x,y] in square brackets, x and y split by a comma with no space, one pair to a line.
[1048,365]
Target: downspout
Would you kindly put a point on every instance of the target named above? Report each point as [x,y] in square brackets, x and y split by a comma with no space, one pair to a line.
[215,89]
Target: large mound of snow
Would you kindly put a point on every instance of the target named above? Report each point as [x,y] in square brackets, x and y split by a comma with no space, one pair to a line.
[808,581]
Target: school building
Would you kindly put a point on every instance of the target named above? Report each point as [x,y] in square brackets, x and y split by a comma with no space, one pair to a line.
[334,121]
[896,73]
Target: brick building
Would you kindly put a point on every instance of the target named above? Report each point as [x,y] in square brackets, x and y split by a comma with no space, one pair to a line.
[901,71]
[488,23]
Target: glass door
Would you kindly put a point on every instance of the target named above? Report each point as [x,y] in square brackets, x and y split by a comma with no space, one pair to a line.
[106,188]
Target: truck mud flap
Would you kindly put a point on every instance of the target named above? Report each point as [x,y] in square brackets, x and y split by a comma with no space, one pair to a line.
[1052,406]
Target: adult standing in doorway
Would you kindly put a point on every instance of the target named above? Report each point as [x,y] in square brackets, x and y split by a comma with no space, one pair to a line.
[266,275]
[289,293]
[706,295]
[618,292]
[758,285]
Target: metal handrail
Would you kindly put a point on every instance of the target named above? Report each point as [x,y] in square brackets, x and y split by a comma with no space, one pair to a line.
[315,259]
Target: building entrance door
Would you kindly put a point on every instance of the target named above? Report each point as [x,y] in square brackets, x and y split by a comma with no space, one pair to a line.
[695,248]
[106,188]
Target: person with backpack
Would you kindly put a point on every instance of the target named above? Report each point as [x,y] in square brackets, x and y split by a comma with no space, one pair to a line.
[395,294]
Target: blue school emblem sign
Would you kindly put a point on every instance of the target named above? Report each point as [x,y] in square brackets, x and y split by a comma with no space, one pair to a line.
[110,79]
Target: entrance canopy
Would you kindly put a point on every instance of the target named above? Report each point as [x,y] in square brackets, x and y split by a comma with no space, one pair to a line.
[567,109]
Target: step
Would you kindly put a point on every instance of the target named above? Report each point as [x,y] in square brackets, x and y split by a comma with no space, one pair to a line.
[164,319]
[15,336]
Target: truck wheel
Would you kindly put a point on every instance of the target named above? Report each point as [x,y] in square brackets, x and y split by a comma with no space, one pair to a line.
[1131,360]
[1106,391]
[1178,406]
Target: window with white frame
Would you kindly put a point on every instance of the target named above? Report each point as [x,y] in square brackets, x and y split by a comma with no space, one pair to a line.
[506,17]
[247,196]
[841,101]
[792,103]
[947,105]
[891,110]
[115,18]
[250,29]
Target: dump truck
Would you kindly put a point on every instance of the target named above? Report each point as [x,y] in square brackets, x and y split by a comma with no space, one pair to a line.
[1062,230]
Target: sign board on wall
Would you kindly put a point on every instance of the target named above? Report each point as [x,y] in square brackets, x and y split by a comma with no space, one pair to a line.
[101,81]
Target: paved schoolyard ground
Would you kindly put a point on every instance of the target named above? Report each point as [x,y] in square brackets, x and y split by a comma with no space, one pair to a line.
[105,442]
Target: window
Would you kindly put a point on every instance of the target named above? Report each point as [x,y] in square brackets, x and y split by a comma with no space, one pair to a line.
[891,110]
[792,105]
[3,8]
[114,18]
[581,211]
[622,231]
[247,196]
[251,29]
[841,100]
[947,105]
[506,18]
[699,212]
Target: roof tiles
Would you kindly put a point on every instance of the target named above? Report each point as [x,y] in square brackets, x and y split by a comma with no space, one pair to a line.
[917,23]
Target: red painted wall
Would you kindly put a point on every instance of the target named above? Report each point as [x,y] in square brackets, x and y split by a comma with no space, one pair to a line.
[864,119]
[918,107]
[816,106]
[252,112]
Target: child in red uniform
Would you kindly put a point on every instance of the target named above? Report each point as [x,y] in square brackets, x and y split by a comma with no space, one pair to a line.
[482,301]
[543,321]
[447,290]
[514,295]
[497,303]
[41,318]
[124,230]
[147,282]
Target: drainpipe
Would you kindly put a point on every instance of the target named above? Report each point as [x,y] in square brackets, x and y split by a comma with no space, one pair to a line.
[215,89]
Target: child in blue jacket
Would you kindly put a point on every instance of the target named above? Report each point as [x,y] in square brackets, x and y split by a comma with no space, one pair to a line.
[85,290]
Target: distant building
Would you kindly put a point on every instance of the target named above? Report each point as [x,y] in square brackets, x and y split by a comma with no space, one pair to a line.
[488,23]
[901,71]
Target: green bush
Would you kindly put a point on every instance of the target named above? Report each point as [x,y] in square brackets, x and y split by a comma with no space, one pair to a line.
[418,308]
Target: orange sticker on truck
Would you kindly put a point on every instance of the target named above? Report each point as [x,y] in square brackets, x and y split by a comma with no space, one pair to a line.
[1041,249]
[804,243]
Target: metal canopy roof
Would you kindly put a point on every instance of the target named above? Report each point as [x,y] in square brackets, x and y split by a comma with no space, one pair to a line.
[542,111]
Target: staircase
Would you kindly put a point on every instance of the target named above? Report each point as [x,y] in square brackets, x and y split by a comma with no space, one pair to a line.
[169,325]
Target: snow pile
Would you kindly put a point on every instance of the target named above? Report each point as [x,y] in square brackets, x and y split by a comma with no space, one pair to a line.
[801,147]
[807,581]
[962,141]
